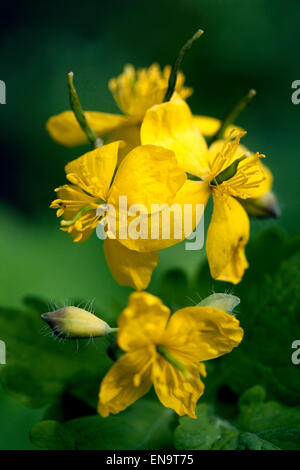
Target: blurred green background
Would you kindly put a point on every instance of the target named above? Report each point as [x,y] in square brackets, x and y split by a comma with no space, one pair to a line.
[247,44]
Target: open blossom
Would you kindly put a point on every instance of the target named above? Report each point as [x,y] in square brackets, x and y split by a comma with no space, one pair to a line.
[264,203]
[95,184]
[165,351]
[134,91]
[226,169]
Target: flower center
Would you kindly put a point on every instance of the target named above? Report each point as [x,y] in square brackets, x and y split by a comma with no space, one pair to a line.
[228,172]
[173,360]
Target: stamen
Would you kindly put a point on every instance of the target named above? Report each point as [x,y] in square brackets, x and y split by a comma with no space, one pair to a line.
[80,213]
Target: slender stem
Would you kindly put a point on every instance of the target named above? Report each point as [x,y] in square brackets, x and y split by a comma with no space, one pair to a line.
[175,362]
[79,114]
[113,330]
[233,114]
[177,63]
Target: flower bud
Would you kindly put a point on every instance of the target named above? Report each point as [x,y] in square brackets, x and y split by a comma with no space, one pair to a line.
[263,207]
[225,302]
[74,322]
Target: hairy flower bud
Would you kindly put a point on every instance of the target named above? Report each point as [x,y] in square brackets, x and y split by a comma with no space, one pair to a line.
[225,302]
[262,207]
[74,322]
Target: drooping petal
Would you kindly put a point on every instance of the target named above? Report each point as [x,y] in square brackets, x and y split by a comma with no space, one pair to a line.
[127,381]
[142,322]
[174,390]
[128,267]
[201,333]
[208,126]
[227,236]
[94,170]
[265,185]
[65,130]
[148,175]
[171,126]
[174,223]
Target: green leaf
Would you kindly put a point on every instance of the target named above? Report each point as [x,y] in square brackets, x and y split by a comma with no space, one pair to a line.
[174,289]
[202,433]
[145,425]
[51,435]
[272,421]
[258,425]
[38,368]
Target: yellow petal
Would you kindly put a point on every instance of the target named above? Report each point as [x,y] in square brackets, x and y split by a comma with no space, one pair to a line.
[190,199]
[174,390]
[128,267]
[148,175]
[208,126]
[171,126]
[94,170]
[265,185]
[227,236]
[202,333]
[128,134]
[119,388]
[142,322]
[65,130]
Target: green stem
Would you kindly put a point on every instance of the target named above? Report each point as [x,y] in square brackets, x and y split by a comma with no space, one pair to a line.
[233,114]
[79,114]
[177,63]
[113,330]
[170,358]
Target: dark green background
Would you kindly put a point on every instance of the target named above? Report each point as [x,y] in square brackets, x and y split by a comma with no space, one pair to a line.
[247,44]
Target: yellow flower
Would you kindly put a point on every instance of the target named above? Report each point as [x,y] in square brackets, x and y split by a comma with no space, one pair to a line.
[262,204]
[134,91]
[166,351]
[226,169]
[95,184]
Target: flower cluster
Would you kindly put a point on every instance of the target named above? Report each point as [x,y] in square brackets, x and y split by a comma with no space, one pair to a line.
[157,153]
